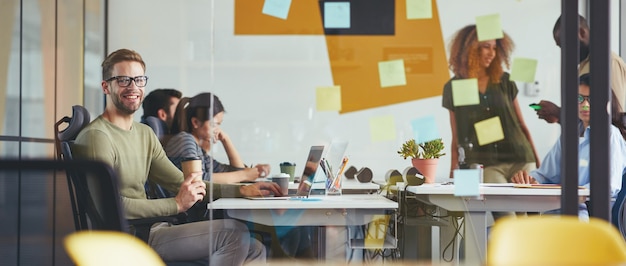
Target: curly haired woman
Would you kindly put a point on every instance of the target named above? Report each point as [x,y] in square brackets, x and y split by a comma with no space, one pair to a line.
[484,61]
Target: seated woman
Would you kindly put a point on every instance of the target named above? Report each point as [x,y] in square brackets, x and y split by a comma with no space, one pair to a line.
[193,131]
[196,126]
[550,170]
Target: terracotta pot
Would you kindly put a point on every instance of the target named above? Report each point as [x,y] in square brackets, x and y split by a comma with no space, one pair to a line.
[428,168]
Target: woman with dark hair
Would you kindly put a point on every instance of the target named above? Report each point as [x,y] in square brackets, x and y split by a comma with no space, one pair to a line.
[196,126]
[483,61]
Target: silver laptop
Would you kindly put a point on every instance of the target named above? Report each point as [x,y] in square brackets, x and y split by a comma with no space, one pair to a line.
[308,175]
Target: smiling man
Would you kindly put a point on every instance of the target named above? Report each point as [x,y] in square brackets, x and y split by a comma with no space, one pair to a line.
[135,153]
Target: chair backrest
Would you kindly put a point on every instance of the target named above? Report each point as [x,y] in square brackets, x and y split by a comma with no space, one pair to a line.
[158,126]
[555,240]
[618,217]
[64,138]
[96,189]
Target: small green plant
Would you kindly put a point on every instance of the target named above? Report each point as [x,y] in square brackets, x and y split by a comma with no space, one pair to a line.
[427,150]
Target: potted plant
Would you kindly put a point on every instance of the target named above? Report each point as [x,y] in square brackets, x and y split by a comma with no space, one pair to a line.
[424,156]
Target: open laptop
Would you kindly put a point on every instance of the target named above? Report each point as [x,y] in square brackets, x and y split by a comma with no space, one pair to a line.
[308,175]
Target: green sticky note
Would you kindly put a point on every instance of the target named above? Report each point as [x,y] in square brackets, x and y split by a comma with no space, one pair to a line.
[328,98]
[489,131]
[391,73]
[337,15]
[466,182]
[489,27]
[524,70]
[277,8]
[465,92]
[419,9]
[382,128]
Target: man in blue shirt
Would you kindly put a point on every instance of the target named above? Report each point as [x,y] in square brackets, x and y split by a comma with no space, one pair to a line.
[550,170]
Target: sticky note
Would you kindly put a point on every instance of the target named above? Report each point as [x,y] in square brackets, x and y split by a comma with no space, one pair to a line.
[337,15]
[524,69]
[424,129]
[465,92]
[277,8]
[489,131]
[328,98]
[466,182]
[382,128]
[489,27]
[419,9]
[391,73]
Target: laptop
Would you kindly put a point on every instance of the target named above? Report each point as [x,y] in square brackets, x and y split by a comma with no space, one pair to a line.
[308,175]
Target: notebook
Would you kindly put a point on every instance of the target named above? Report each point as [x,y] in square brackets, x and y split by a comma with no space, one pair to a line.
[308,175]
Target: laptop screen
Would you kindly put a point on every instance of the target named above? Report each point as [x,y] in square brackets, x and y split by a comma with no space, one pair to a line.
[310,168]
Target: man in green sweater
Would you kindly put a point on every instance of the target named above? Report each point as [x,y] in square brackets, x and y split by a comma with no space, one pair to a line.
[135,153]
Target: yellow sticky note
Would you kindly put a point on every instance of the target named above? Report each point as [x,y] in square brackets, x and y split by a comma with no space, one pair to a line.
[465,92]
[489,131]
[489,27]
[382,128]
[524,70]
[328,98]
[391,73]
[377,231]
[419,9]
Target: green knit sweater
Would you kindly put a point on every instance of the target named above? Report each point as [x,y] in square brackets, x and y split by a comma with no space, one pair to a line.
[137,155]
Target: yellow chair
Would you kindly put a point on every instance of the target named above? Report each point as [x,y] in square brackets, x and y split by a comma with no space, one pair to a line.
[555,240]
[95,248]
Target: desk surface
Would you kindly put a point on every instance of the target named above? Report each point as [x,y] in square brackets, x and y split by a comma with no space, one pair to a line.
[346,184]
[490,189]
[324,202]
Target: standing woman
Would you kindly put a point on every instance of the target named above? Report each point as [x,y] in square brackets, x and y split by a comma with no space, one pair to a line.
[196,126]
[484,60]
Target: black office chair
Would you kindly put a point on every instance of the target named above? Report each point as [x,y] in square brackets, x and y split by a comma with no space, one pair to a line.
[618,211]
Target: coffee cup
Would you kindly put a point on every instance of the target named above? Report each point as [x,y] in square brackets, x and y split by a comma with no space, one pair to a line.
[288,168]
[191,166]
[282,180]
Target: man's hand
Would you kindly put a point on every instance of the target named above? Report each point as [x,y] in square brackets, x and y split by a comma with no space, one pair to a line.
[260,189]
[549,111]
[192,190]
[522,177]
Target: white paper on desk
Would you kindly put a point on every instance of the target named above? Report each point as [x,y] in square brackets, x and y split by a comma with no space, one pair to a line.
[497,184]
[466,182]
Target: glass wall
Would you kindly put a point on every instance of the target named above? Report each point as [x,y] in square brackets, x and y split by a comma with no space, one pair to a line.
[45,58]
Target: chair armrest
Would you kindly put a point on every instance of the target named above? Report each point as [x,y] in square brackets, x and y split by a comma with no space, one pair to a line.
[142,225]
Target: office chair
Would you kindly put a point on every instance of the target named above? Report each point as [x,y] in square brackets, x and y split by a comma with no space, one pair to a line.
[555,240]
[618,211]
[109,248]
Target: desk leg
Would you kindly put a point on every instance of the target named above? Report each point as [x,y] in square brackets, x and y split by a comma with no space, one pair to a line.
[475,237]
[321,243]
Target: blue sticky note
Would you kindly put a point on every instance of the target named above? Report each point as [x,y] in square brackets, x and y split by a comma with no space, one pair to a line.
[466,182]
[277,8]
[337,15]
[425,129]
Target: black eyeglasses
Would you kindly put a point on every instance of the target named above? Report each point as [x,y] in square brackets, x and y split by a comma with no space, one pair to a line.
[124,81]
[582,98]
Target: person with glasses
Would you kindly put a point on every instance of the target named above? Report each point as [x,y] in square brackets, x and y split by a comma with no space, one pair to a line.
[484,62]
[550,111]
[550,170]
[136,155]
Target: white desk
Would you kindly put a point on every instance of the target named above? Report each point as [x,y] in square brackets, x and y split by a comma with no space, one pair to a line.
[505,199]
[328,210]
